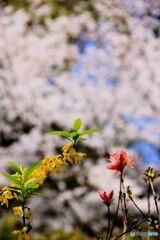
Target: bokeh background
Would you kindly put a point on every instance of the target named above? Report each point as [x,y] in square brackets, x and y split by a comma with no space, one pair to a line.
[97,60]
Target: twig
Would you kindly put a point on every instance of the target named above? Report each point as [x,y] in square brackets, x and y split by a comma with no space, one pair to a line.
[125,208]
[155,199]
[149,208]
[109,223]
[116,214]
[130,229]
[23,217]
[148,219]
[138,208]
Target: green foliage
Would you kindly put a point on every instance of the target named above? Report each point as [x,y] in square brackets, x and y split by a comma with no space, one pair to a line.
[21,180]
[77,124]
[61,133]
[25,180]
[12,178]
[75,136]
[31,186]
[16,167]
[89,131]
[31,169]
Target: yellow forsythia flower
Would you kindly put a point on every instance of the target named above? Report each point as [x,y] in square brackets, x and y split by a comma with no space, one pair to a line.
[40,174]
[56,163]
[53,164]
[22,234]
[18,211]
[70,154]
[6,195]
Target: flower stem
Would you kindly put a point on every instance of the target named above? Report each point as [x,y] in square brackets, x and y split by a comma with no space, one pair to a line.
[124,230]
[148,200]
[138,208]
[125,210]
[118,204]
[109,222]
[155,199]
[23,217]
[149,209]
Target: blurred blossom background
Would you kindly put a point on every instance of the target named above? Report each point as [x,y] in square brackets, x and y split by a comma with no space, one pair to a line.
[97,60]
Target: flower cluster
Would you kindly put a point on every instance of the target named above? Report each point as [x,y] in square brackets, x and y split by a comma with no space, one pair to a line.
[6,194]
[49,164]
[55,164]
[18,211]
[26,179]
[118,161]
[71,155]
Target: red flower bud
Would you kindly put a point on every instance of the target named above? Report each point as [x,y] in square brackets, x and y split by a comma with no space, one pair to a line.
[106,197]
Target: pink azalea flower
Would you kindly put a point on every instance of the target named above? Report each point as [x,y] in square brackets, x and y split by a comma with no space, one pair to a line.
[119,160]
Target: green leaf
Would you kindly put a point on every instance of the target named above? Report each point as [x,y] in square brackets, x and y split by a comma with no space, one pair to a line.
[16,167]
[60,133]
[18,193]
[31,181]
[74,134]
[16,188]
[77,124]
[12,178]
[31,169]
[31,186]
[89,131]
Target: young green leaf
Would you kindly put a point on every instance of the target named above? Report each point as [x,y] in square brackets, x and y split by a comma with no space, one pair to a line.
[77,124]
[89,131]
[31,186]
[74,134]
[15,167]
[13,187]
[60,133]
[12,178]
[31,169]
[31,181]
[17,190]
